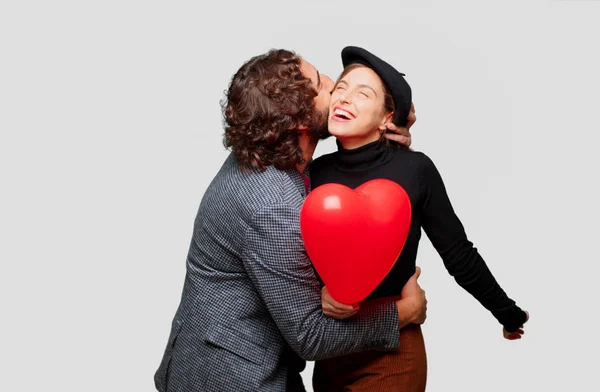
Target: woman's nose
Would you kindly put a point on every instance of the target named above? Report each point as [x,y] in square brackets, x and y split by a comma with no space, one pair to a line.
[346,97]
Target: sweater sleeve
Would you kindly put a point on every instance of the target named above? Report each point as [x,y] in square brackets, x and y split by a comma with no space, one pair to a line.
[461,258]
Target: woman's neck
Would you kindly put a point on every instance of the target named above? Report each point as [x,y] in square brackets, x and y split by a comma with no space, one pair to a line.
[362,158]
[351,143]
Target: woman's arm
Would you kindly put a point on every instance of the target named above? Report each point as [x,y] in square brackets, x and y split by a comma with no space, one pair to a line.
[461,258]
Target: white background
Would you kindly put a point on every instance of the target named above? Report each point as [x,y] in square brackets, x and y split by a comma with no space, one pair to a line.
[110,131]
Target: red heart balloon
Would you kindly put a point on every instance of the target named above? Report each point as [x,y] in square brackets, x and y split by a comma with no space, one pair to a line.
[354,237]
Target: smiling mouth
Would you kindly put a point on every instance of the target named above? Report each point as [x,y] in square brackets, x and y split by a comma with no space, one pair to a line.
[341,114]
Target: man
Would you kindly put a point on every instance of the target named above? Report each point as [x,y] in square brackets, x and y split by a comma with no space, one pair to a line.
[251,303]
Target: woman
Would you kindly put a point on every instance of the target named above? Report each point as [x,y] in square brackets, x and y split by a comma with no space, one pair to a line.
[368,95]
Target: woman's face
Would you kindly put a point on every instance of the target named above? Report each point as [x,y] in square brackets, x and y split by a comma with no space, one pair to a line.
[357,114]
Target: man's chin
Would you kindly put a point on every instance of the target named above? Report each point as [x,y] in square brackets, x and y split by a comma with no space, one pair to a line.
[324,134]
[319,133]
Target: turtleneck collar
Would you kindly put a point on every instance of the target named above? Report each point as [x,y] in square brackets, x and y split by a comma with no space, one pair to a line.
[364,157]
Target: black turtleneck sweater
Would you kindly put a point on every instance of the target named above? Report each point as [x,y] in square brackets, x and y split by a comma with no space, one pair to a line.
[431,210]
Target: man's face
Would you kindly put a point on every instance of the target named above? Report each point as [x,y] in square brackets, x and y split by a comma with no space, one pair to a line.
[323,84]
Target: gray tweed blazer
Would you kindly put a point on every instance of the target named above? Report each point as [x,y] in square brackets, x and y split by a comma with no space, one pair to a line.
[250,296]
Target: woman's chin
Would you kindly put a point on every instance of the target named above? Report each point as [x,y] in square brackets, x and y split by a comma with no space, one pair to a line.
[336,130]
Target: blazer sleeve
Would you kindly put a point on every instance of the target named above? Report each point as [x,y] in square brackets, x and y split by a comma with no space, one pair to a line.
[279,267]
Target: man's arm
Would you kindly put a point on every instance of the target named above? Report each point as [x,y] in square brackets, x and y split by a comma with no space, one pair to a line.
[402,134]
[279,267]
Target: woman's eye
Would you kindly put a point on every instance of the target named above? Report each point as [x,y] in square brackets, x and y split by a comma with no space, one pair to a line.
[339,88]
[362,93]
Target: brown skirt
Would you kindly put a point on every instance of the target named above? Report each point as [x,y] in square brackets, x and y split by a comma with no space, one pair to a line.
[404,370]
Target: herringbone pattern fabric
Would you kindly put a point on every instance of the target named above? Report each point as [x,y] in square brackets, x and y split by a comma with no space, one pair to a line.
[250,293]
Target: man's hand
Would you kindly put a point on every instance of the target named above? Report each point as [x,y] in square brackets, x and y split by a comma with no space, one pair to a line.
[412,307]
[402,134]
[518,334]
[334,309]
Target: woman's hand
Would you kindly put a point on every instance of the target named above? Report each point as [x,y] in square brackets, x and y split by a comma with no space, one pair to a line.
[518,334]
[335,309]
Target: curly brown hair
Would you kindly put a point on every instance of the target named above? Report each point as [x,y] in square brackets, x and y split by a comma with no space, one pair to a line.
[267,100]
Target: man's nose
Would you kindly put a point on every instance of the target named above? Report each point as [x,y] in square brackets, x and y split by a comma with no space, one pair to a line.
[329,84]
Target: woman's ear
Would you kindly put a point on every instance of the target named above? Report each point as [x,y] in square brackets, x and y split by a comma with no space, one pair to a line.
[302,128]
[386,120]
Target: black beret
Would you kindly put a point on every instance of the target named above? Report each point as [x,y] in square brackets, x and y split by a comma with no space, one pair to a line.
[394,80]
